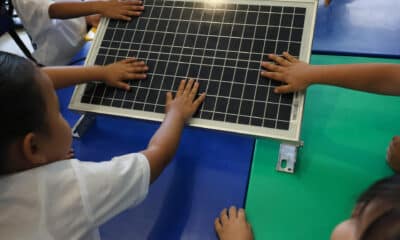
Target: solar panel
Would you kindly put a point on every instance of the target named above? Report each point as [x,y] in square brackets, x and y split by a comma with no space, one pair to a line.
[221,45]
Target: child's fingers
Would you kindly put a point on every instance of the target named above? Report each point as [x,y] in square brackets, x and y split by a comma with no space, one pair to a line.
[181,87]
[232,212]
[217,224]
[135,76]
[136,63]
[224,215]
[272,67]
[123,17]
[168,99]
[194,90]
[273,75]
[199,100]
[188,87]
[283,89]
[137,69]
[241,213]
[129,60]
[135,8]
[278,59]
[135,2]
[289,57]
[122,85]
[133,13]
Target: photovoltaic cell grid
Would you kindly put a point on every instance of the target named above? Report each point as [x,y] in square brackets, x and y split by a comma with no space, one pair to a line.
[221,46]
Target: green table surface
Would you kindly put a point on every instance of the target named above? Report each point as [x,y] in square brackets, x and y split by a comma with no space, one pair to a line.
[345,136]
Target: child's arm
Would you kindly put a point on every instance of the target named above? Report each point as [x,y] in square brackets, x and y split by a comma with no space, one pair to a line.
[112,74]
[376,78]
[165,141]
[116,9]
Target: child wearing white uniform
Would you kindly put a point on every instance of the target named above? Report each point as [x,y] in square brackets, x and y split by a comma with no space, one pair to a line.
[45,197]
[57,28]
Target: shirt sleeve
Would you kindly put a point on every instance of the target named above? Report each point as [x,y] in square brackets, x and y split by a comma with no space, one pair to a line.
[34,15]
[109,187]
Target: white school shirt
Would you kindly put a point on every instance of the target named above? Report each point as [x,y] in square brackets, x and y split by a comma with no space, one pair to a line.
[57,41]
[70,199]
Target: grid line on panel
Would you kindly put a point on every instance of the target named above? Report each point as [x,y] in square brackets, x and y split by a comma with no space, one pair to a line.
[234,119]
[204,57]
[212,69]
[152,78]
[242,91]
[113,60]
[143,82]
[155,31]
[157,62]
[264,123]
[103,63]
[217,98]
[257,80]
[137,106]
[175,38]
[222,47]
[256,101]
[279,53]
[200,112]
[126,56]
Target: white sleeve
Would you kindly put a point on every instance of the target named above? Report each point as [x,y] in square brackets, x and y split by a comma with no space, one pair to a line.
[109,187]
[34,15]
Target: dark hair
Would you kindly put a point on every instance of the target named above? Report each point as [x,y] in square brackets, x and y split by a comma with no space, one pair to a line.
[22,106]
[387,225]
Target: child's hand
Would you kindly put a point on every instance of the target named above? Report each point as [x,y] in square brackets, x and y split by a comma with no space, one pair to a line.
[393,154]
[93,20]
[123,10]
[70,154]
[289,70]
[184,103]
[115,74]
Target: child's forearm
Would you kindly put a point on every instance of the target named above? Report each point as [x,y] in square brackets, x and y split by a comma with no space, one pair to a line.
[164,143]
[377,78]
[65,10]
[69,76]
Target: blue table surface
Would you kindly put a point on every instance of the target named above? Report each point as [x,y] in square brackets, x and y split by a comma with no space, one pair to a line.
[358,27]
[209,172]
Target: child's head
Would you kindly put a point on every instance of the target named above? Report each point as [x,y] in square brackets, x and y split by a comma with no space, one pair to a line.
[376,215]
[33,132]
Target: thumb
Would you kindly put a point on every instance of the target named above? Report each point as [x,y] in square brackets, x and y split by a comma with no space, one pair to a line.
[123,85]
[169,98]
[284,89]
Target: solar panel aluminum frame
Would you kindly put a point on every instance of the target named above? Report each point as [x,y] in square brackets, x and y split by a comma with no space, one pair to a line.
[292,135]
